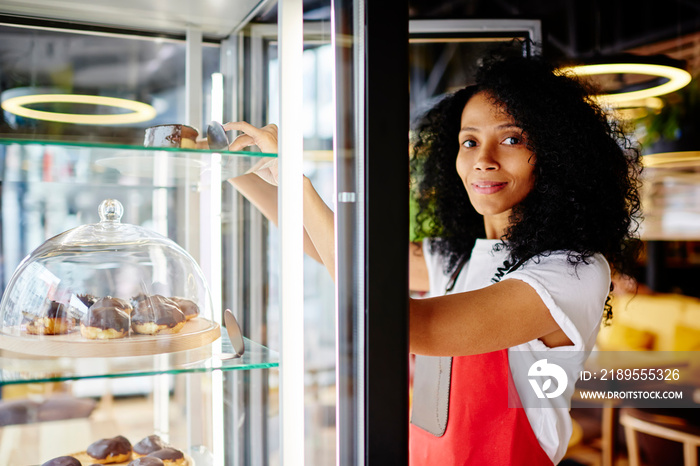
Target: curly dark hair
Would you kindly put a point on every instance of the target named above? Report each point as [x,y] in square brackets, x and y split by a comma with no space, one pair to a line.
[585,198]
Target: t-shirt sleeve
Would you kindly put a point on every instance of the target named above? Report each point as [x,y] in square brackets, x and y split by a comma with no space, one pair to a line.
[435,263]
[574,294]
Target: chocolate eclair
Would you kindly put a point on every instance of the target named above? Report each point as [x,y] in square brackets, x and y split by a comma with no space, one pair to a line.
[172,135]
[105,323]
[187,306]
[169,456]
[155,315]
[138,298]
[109,301]
[86,299]
[55,320]
[148,445]
[62,461]
[110,450]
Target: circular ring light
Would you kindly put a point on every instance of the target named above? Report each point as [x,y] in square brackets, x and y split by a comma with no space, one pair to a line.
[677,78]
[139,111]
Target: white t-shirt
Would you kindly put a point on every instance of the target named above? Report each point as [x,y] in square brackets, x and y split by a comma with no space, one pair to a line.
[574,295]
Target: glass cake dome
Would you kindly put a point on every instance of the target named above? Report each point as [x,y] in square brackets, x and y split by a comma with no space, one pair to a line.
[107,289]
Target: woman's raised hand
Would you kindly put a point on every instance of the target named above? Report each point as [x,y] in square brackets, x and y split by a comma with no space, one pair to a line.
[261,191]
[266,140]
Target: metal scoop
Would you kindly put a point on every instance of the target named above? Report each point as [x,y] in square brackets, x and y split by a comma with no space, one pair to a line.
[234,334]
[216,136]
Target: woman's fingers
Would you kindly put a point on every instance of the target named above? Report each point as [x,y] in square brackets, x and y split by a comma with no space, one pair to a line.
[241,142]
[241,126]
[265,138]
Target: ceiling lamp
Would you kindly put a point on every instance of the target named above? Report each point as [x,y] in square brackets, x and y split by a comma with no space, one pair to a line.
[140,111]
[634,109]
[666,75]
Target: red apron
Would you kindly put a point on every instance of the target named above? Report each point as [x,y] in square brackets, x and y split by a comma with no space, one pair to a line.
[481,429]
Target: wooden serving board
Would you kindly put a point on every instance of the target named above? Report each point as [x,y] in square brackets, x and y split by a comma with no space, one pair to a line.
[85,460]
[196,333]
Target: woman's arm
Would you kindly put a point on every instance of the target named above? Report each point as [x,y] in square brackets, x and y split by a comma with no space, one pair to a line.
[502,315]
[264,197]
[260,188]
[319,224]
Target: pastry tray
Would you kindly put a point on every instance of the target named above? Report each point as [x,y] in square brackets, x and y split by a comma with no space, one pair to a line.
[196,333]
[85,460]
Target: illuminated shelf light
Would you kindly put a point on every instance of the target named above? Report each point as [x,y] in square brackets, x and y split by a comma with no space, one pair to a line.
[140,111]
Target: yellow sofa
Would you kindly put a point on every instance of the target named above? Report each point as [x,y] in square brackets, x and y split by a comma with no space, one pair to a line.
[660,322]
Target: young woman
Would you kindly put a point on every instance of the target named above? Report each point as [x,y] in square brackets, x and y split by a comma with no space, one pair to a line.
[530,196]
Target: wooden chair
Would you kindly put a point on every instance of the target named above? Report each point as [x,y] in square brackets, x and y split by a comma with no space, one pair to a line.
[662,426]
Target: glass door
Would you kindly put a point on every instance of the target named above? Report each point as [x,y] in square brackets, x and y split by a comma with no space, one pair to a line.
[372,60]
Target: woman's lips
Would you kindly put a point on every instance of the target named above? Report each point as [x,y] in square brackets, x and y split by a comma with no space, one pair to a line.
[488,187]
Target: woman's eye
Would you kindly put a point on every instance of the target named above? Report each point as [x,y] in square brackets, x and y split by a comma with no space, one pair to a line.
[511,140]
[469,143]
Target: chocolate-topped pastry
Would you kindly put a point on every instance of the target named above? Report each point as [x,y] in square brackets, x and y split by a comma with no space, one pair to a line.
[62,461]
[54,321]
[138,298]
[57,310]
[109,301]
[20,411]
[147,461]
[110,450]
[86,299]
[105,323]
[187,306]
[171,136]
[157,314]
[149,445]
[170,456]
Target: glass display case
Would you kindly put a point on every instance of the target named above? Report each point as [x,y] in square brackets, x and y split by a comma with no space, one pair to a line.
[55,375]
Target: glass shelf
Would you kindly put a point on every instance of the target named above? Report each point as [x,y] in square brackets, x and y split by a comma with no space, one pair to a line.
[72,162]
[16,368]
[97,145]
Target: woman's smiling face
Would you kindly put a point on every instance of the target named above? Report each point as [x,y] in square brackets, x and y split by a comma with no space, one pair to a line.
[494,161]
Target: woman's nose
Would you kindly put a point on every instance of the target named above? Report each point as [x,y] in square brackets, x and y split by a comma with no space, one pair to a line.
[485,160]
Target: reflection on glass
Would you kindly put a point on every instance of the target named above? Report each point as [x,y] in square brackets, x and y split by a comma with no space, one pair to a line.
[137,69]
